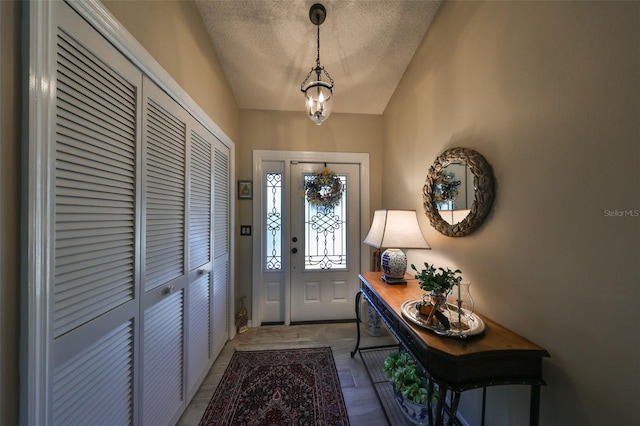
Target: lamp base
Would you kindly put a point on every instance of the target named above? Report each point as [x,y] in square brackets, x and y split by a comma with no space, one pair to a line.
[393,281]
[394,265]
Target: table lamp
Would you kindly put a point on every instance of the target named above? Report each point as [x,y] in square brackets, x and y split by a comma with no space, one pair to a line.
[395,230]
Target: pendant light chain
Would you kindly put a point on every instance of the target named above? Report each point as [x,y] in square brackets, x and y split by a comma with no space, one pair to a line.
[318,57]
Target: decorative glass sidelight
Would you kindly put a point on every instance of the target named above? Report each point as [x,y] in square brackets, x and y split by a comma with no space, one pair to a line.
[326,234]
[274,221]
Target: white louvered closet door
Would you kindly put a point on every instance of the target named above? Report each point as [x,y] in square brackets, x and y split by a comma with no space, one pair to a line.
[92,322]
[200,224]
[132,306]
[220,315]
[164,269]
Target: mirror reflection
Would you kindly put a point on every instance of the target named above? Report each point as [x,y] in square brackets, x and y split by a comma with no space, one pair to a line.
[454,192]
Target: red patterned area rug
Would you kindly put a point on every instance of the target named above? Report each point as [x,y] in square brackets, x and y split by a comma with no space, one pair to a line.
[279,387]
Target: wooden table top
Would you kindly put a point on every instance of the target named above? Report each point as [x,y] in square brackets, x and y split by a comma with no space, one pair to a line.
[495,338]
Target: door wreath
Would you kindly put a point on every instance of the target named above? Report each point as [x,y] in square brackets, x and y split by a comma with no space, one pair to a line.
[324,189]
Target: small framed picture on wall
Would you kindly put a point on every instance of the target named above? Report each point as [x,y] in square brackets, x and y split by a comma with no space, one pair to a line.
[245,190]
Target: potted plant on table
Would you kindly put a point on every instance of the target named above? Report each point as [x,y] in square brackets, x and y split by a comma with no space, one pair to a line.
[438,282]
[410,386]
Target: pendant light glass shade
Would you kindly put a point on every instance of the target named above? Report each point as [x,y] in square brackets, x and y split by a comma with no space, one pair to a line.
[319,100]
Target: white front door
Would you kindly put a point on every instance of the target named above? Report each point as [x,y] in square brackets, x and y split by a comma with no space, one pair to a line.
[306,261]
[325,247]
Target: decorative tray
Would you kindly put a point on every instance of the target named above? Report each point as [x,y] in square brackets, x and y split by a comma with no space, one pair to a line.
[410,312]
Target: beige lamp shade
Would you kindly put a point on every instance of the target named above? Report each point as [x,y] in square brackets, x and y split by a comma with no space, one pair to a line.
[395,230]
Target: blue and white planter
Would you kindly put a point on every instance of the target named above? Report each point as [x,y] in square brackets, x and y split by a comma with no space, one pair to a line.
[417,414]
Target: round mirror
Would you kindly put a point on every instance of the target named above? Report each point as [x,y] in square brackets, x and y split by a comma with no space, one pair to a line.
[458,192]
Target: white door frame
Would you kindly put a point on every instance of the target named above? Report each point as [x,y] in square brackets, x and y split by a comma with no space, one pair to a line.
[286,157]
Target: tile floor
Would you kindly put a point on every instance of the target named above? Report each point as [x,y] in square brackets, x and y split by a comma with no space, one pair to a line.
[363,406]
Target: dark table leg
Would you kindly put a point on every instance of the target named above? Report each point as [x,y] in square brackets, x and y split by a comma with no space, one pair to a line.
[534,413]
[484,404]
[358,298]
[455,400]
[440,405]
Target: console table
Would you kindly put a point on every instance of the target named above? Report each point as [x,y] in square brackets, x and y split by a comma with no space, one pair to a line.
[498,356]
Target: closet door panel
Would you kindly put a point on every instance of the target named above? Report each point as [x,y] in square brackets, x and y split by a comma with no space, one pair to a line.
[163,252]
[164,201]
[94,186]
[94,234]
[162,366]
[200,169]
[95,384]
[199,357]
[200,196]
[220,315]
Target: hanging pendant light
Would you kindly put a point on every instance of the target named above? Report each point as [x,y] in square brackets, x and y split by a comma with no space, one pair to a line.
[318,94]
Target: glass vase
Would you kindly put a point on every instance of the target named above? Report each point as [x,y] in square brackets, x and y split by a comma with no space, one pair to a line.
[460,307]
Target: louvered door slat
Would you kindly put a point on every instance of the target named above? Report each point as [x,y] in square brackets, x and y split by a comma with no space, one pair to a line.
[90,111]
[77,171]
[80,206]
[169,165]
[102,243]
[118,196]
[157,182]
[106,283]
[113,164]
[99,150]
[102,236]
[71,297]
[90,259]
[76,122]
[74,126]
[162,124]
[165,199]
[110,270]
[93,105]
[158,236]
[70,179]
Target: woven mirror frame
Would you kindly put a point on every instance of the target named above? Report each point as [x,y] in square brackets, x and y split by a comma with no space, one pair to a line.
[482,183]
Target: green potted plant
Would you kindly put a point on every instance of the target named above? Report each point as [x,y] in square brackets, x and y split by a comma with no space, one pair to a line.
[438,282]
[410,386]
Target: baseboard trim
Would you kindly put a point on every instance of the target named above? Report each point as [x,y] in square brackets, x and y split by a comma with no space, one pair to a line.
[340,321]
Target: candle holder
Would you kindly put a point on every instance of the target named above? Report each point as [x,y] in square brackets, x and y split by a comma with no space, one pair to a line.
[460,307]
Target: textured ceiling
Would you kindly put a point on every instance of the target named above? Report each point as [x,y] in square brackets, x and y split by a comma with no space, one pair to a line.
[267,47]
